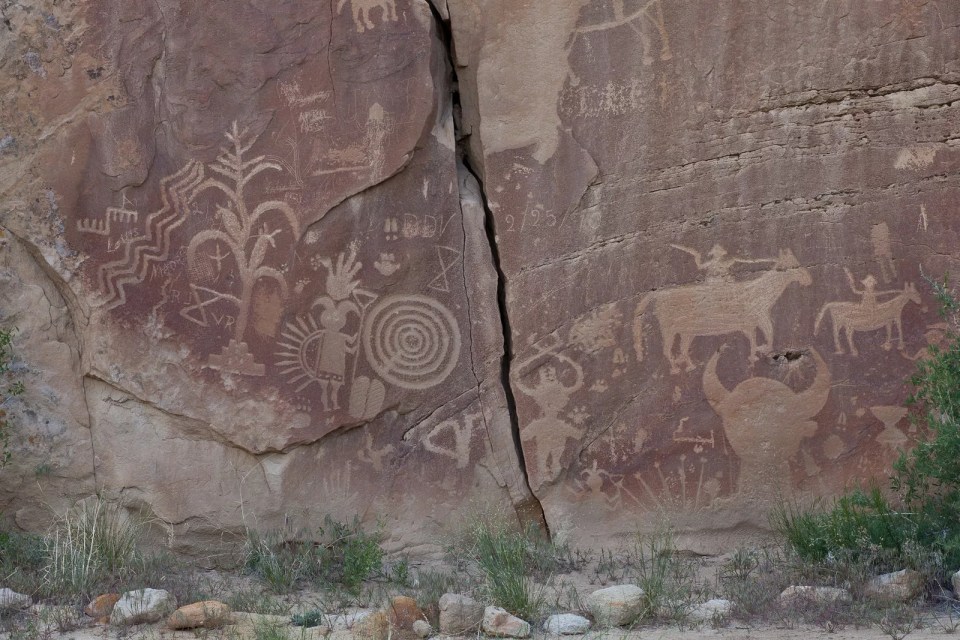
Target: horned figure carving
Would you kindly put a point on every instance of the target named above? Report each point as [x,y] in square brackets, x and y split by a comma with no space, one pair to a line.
[717,308]
[765,422]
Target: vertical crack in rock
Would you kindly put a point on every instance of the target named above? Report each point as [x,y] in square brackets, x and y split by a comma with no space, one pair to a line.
[531,511]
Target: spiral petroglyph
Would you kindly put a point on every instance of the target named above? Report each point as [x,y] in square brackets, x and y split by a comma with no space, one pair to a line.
[411,341]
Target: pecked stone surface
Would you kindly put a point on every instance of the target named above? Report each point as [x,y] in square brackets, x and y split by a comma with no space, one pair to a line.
[711,220]
[252,278]
[279,279]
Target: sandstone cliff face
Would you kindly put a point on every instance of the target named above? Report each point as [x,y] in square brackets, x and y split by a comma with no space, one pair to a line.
[592,260]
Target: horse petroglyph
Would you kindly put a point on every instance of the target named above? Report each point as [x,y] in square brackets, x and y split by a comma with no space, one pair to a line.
[717,308]
[868,314]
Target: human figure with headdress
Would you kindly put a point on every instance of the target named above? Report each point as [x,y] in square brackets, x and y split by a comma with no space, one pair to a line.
[869,294]
[718,263]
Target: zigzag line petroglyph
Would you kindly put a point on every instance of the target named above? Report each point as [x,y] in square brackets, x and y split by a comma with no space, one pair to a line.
[154,246]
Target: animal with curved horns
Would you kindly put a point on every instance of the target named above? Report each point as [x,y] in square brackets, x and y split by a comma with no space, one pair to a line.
[765,422]
[851,317]
[718,308]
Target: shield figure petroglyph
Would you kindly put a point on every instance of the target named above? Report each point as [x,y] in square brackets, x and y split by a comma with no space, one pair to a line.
[765,422]
[718,308]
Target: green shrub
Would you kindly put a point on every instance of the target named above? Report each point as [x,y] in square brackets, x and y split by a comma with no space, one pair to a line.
[343,555]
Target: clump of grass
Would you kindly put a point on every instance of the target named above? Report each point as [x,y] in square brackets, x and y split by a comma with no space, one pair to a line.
[89,544]
[668,579]
[338,555]
[508,560]
[21,559]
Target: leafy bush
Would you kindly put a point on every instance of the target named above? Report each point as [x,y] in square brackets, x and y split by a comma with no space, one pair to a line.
[10,387]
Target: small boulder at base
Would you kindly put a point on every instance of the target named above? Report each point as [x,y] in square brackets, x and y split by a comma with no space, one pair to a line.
[101,607]
[10,599]
[403,612]
[459,614]
[566,624]
[616,606]
[955,581]
[714,610]
[799,595]
[209,614]
[375,626]
[904,585]
[143,605]
[498,622]
[422,628]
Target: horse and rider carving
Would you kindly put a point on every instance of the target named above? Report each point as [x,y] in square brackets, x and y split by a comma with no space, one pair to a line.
[718,306]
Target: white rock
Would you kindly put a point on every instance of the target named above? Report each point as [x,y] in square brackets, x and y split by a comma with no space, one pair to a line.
[955,580]
[422,628]
[10,599]
[143,605]
[904,585]
[616,606]
[344,621]
[459,613]
[800,594]
[716,609]
[498,622]
[566,624]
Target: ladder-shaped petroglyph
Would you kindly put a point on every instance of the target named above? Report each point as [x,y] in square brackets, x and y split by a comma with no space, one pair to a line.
[868,314]
[362,12]
[765,421]
[246,238]
[141,250]
[556,377]
[717,308]
[121,215]
[411,341]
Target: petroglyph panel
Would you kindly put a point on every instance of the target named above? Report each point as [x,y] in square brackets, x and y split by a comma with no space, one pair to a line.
[699,183]
[261,233]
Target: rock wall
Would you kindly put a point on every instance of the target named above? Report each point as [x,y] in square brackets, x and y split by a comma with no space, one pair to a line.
[595,261]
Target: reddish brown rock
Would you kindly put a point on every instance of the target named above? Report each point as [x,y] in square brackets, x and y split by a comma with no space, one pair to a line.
[403,612]
[209,614]
[101,607]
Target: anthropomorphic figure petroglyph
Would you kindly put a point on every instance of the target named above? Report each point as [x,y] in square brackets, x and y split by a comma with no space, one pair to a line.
[547,435]
[717,308]
[868,314]
[765,422]
[718,263]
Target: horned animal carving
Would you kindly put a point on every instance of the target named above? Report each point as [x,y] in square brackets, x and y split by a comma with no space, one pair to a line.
[765,421]
[718,308]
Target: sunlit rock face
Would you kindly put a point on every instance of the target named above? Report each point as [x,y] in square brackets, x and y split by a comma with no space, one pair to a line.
[591,262]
